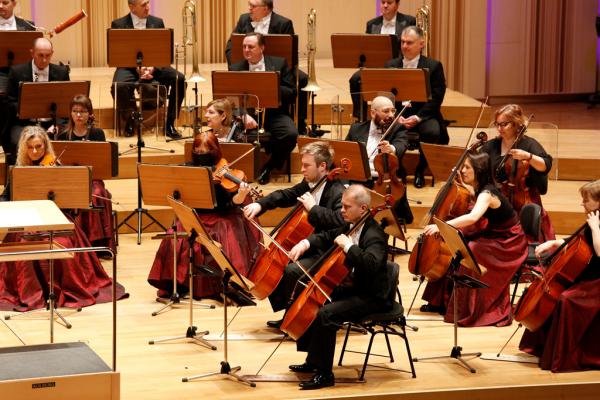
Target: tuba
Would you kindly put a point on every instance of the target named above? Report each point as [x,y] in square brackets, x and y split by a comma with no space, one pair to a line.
[311,47]
[423,17]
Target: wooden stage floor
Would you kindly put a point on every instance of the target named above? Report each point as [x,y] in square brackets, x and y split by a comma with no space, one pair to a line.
[155,371]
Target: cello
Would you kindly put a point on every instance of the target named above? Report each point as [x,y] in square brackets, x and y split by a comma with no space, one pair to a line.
[430,257]
[270,264]
[560,270]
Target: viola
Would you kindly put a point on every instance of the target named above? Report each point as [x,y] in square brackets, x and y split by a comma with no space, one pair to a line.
[230,179]
[270,264]
[332,273]
[430,256]
[387,182]
[561,269]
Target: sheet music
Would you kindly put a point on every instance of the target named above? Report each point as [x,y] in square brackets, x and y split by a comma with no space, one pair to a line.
[15,220]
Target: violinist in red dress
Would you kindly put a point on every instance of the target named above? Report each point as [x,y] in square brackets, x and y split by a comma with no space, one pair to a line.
[361,293]
[225,224]
[568,339]
[496,239]
[527,162]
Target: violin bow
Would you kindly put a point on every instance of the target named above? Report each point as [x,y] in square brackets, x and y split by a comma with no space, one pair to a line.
[517,139]
[392,125]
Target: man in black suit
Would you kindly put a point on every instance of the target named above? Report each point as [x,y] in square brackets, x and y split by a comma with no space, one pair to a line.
[262,19]
[370,133]
[38,70]
[363,291]
[277,120]
[140,18]
[425,119]
[323,207]
[390,22]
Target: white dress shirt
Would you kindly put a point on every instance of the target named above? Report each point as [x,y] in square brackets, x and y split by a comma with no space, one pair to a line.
[375,135]
[317,195]
[262,26]
[138,23]
[389,27]
[40,75]
[259,66]
[8,24]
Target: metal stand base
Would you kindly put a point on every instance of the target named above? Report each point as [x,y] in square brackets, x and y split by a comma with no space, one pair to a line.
[57,315]
[225,370]
[192,334]
[174,300]
[457,355]
[139,212]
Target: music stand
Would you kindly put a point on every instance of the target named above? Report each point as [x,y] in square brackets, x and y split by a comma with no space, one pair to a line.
[101,156]
[235,286]
[134,48]
[69,187]
[49,99]
[15,46]
[462,256]
[182,183]
[405,84]
[351,50]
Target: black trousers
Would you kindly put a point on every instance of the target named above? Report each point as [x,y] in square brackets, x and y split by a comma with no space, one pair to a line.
[288,287]
[166,76]
[284,135]
[302,101]
[355,89]
[319,339]
[429,131]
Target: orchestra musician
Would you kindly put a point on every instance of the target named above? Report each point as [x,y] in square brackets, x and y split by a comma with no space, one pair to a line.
[323,208]
[509,120]
[370,132]
[221,120]
[79,282]
[568,340]
[425,119]
[277,120]
[225,224]
[362,293]
[140,18]
[97,224]
[498,243]
[40,69]
[262,19]
[390,22]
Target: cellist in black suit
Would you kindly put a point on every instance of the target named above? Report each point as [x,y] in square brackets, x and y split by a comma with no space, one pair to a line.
[140,18]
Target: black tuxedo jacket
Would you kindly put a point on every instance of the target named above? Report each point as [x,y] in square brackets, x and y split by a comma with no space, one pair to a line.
[324,216]
[287,86]
[367,260]
[24,25]
[359,132]
[127,23]
[402,21]
[278,25]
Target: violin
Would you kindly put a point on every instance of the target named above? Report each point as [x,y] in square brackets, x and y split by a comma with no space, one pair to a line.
[49,160]
[430,256]
[270,264]
[230,179]
[387,182]
[561,269]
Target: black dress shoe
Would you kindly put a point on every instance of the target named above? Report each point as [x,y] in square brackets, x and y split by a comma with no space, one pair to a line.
[318,381]
[274,324]
[302,368]
[171,132]
[430,308]
[265,176]
[419,180]
[129,129]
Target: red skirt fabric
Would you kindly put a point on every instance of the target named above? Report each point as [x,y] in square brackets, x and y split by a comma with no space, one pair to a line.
[239,240]
[501,250]
[97,225]
[78,282]
[568,341]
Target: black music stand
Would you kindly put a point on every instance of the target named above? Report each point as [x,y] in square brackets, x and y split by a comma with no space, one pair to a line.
[183,183]
[235,286]
[462,256]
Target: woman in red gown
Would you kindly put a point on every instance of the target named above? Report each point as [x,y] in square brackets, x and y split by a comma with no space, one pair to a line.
[568,340]
[78,282]
[225,224]
[498,243]
[97,224]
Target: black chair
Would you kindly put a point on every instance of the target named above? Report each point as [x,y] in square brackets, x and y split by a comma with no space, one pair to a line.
[531,221]
[390,322]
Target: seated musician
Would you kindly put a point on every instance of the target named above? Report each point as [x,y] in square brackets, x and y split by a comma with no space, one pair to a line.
[140,18]
[390,22]
[509,120]
[221,120]
[370,133]
[38,70]
[498,243]
[568,340]
[97,224]
[363,292]
[262,19]
[277,120]
[323,208]
[79,282]
[225,224]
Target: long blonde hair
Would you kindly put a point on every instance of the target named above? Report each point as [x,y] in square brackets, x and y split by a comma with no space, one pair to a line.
[28,133]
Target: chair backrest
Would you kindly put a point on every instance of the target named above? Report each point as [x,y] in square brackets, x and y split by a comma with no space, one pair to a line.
[531,220]
[393,272]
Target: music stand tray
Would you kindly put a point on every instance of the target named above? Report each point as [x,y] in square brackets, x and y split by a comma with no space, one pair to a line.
[462,256]
[15,46]
[351,50]
[355,152]
[406,84]
[101,156]
[49,99]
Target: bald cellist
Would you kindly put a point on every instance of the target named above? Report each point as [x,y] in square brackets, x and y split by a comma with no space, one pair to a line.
[568,340]
[362,293]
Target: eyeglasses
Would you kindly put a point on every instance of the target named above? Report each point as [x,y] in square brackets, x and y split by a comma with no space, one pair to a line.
[80,112]
[502,124]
